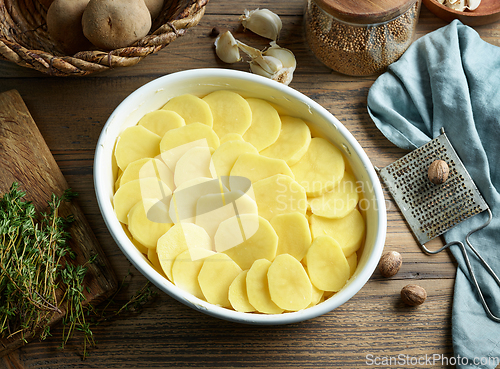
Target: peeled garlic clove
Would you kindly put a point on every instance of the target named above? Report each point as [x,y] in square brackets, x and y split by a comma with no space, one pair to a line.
[263,22]
[226,48]
[473,4]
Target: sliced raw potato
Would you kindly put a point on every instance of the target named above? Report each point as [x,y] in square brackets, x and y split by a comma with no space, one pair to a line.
[148,167]
[143,249]
[292,143]
[289,284]
[186,196]
[179,238]
[148,220]
[230,111]
[279,194]
[185,270]
[258,288]
[161,121]
[320,169]
[266,124]
[256,167]
[155,262]
[176,142]
[215,277]
[115,170]
[172,156]
[196,162]
[317,295]
[294,235]
[235,231]
[327,266]
[213,209]
[238,296]
[135,143]
[134,191]
[353,263]
[260,245]
[349,231]
[231,137]
[117,182]
[227,153]
[339,201]
[191,108]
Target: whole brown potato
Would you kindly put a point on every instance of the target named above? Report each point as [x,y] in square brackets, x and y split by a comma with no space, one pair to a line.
[113,24]
[64,24]
[46,3]
[154,7]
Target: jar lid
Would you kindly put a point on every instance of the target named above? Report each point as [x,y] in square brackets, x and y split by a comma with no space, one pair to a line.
[365,11]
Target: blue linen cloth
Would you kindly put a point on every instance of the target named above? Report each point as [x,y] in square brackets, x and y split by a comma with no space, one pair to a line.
[451,78]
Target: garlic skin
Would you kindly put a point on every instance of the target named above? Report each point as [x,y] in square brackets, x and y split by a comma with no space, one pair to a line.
[276,63]
[226,48]
[263,22]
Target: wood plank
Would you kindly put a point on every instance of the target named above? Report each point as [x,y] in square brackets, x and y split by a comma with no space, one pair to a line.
[26,159]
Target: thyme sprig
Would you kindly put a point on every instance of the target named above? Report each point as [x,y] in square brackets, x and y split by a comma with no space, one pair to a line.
[39,278]
[35,265]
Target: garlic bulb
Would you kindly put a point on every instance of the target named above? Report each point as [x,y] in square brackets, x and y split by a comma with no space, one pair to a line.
[275,63]
[226,48]
[263,22]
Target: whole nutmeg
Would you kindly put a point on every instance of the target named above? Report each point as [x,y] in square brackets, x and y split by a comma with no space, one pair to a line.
[413,295]
[390,263]
[438,172]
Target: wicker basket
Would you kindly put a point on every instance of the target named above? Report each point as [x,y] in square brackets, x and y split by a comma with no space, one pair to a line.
[24,39]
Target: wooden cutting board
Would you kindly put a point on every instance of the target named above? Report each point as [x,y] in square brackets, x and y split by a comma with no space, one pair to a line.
[25,158]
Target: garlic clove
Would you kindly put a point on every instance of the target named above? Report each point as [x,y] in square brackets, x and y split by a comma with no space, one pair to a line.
[276,62]
[257,69]
[473,4]
[284,75]
[269,63]
[456,5]
[263,22]
[226,48]
[286,56]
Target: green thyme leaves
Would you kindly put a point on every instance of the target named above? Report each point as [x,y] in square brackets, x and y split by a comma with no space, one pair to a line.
[36,275]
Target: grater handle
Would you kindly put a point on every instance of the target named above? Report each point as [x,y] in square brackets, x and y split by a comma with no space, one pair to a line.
[469,267]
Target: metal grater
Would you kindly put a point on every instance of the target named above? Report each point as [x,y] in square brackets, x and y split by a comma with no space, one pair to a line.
[430,210]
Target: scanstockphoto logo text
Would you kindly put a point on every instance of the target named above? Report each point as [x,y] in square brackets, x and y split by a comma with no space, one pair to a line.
[432,360]
[289,203]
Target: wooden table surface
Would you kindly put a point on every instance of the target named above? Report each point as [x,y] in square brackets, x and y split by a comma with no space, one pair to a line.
[70,113]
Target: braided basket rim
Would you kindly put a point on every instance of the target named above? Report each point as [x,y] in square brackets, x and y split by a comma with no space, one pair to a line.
[162,33]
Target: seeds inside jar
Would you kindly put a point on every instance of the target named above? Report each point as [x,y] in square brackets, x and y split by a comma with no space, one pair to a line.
[358,49]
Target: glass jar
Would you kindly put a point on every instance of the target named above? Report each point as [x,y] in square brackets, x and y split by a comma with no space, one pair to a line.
[360,38]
